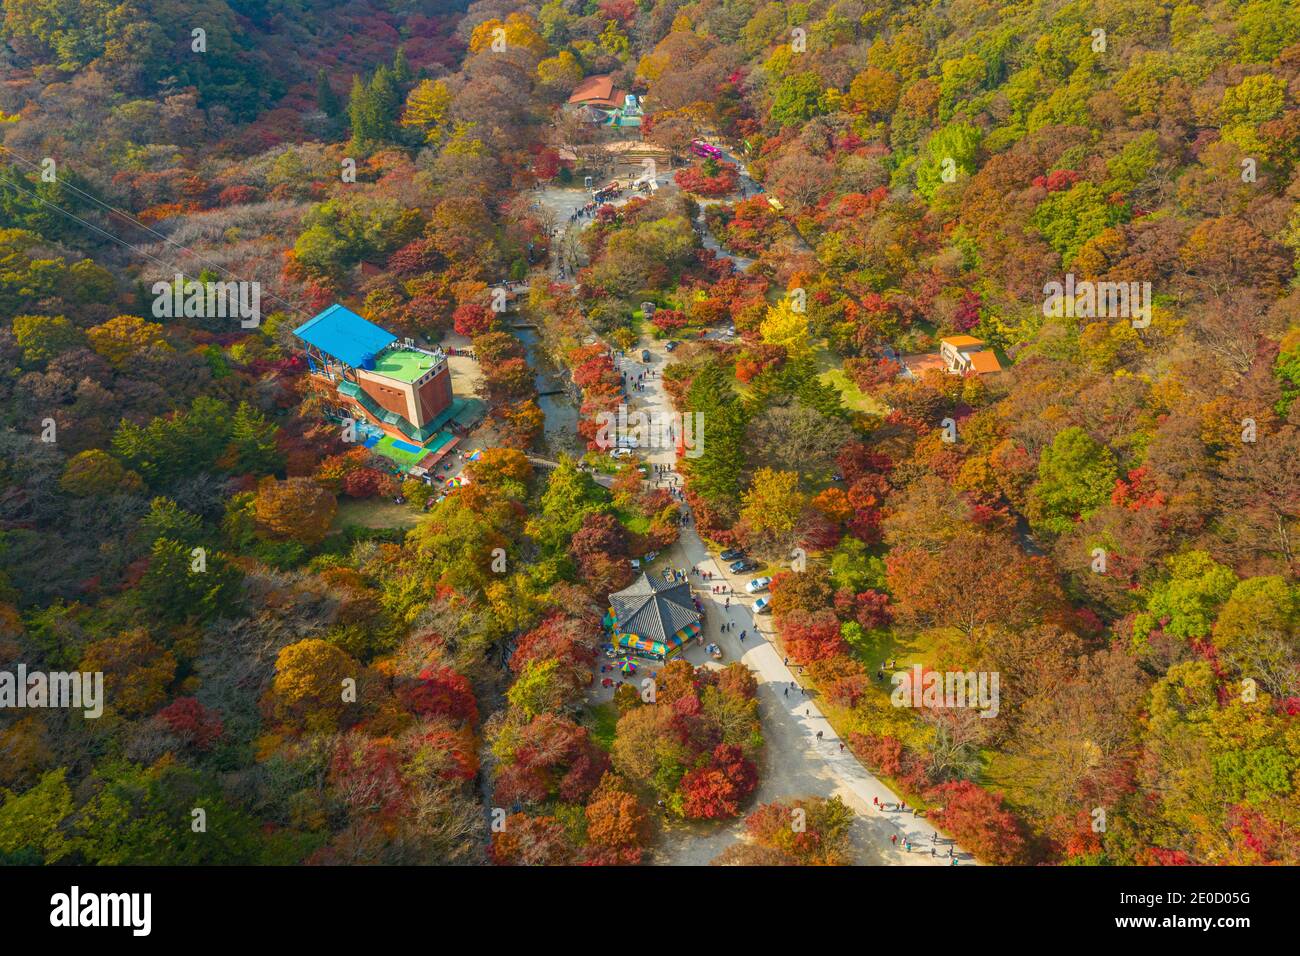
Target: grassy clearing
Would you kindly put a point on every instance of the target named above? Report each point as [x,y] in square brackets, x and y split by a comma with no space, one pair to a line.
[601,722]
[852,396]
[374,513]
[636,523]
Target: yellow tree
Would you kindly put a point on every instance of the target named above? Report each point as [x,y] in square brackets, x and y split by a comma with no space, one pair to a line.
[560,72]
[519,31]
[136,671]
[95,472]
[310,681]
[426,109]
[498,467]
[785,327]
[771,509]
[874,91]
[125,336]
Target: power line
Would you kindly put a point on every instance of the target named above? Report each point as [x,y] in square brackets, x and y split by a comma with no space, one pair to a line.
[88,225]
[152,232]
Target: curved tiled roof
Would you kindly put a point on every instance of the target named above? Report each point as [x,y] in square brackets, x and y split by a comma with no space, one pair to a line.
[654,609]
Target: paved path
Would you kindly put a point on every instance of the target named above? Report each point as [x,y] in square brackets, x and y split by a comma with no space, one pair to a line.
[798,764]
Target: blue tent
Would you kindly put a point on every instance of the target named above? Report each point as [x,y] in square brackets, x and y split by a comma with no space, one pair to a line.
[343,335]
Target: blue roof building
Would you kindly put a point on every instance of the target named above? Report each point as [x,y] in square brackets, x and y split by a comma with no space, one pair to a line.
[343,335]
[403,392]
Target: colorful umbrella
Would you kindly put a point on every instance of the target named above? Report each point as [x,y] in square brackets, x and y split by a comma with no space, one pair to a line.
[628,667]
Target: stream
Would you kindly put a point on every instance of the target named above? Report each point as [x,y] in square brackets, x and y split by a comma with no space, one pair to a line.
[561,411]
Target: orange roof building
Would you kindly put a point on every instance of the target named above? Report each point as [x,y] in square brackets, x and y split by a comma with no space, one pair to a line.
[598,91]
[967,355]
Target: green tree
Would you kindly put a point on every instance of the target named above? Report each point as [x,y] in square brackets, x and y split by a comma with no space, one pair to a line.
[1068,219]
[182,586]
[141,815]
[253,441]
[1187,600]
[326,99]
[798,98]
[949,153]
[167,519]
[716,474]
[1257,632]
[1076,475]
[33,821]
[569,497]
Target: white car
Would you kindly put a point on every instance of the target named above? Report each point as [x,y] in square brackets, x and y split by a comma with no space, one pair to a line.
[761,605]
[758,584]
[620,452]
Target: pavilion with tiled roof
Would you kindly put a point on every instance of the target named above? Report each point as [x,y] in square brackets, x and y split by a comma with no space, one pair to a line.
[652,617]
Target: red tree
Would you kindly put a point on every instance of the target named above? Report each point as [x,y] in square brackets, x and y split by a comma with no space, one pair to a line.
[193,723]
[471,320]
[440,691]
[718,790]
[812,636]
[979,821]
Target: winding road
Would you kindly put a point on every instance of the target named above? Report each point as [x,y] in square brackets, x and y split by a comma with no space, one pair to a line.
[799,764]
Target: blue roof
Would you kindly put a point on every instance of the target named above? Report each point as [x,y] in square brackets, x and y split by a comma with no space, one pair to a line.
[342,334]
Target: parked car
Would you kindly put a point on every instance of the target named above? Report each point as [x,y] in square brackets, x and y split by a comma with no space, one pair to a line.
[671,345]
[732,554]
[620,452]
[758,584]
[743,565]
[645,355]
[762,604]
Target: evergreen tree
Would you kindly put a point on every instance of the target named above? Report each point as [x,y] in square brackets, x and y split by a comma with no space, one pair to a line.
[716,473]
[252,438]
[181,585]
[402,69]
[386,103]
[361,115]
[326,98]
